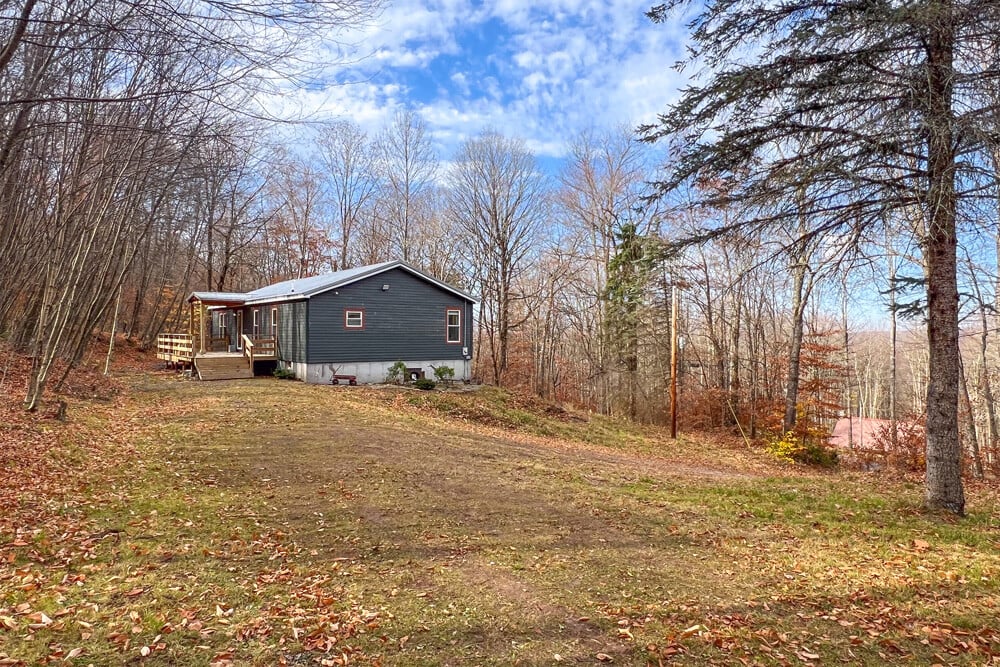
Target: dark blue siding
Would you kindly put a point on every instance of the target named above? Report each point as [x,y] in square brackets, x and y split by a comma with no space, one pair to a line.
[291,330]
[407,321]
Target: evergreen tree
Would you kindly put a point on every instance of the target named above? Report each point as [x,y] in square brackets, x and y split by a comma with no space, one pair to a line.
[628,273]
[877,109]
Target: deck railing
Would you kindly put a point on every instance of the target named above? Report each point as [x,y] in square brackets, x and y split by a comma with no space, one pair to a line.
[264,347]
[174,347]
[258,347]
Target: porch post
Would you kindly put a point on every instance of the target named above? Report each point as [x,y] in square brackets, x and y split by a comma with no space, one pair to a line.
[201,324]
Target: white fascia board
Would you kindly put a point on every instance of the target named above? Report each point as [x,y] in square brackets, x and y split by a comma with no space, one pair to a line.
[277,299]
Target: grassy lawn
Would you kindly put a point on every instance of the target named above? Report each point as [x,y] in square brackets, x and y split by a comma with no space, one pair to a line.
[267,522]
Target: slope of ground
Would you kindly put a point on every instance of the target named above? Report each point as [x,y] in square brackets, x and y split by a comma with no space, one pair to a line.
[263,522]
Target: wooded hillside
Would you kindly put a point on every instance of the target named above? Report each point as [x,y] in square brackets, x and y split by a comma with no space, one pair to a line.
[804,253]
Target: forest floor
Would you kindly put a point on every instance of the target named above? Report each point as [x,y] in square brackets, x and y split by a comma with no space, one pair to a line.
[174,522]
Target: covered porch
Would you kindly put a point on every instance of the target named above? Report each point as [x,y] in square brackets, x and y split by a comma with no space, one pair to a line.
[215,343]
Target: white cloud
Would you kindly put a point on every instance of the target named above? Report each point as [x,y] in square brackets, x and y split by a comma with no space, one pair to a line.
[556,68]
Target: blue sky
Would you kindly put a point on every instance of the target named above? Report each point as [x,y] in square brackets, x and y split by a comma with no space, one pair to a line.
[538,71]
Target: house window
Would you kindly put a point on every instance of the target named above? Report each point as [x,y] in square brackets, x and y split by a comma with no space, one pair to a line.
[256,322]
[223,329]
[453,328]
[274,322]
[354,319]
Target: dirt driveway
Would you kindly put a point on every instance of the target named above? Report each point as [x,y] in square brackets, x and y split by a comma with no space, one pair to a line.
[475,547]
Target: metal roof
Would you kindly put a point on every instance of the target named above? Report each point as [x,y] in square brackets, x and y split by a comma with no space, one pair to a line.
[308,287]
[228,297]
[303,288]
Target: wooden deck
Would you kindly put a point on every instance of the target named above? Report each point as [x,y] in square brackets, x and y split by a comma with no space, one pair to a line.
[215,364]
[174,348]
[222,366]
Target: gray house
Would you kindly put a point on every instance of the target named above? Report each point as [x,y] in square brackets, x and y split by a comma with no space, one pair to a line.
[356,322]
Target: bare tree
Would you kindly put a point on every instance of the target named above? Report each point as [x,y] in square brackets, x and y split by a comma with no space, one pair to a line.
[101,106]
[408,166]
[600,188]
[351,162]
[298,224]
[498,200]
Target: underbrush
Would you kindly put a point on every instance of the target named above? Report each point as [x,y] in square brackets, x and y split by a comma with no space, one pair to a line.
[495,407]
[793,448]
[807,442]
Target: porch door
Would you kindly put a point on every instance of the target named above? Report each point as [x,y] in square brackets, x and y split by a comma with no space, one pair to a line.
[239,330]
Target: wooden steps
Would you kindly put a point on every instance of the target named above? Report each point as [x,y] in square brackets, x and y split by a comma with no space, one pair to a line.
[222,367]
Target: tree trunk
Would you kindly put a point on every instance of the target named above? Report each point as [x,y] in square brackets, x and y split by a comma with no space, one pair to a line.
[847,368]
[969,425]
[114,329]
[944,470]
[893,406]
[985,386]
[795,345]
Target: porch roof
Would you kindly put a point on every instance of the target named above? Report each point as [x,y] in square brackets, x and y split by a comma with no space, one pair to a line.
[219,298]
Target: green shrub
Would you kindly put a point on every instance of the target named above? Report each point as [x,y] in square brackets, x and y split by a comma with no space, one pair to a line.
[425,383]
[396,373]
[284,374]
[444,373]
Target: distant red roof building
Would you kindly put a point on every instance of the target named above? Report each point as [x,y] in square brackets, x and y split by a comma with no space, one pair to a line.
[861,433]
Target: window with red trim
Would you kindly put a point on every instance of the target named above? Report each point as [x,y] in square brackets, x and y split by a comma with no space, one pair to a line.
[354,319]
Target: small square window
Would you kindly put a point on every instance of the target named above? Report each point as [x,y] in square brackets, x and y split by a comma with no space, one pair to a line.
[354,319]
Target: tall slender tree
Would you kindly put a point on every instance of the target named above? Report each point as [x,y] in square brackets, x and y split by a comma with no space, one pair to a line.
[408,166]
[350,160]
[498,201]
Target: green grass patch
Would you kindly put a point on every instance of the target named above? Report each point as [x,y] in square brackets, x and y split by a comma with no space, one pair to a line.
[259,522]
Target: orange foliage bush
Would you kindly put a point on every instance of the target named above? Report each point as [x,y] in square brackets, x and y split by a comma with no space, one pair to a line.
[909,451]
[704,409]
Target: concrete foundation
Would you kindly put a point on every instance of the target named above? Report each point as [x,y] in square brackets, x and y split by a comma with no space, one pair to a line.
[374,372]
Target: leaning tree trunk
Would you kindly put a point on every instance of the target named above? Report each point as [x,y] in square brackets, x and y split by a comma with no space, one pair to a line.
[968,422]
[893,370]
[799,298]
[944,469]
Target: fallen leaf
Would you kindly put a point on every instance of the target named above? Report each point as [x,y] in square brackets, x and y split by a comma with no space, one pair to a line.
[694,629]
[39,618]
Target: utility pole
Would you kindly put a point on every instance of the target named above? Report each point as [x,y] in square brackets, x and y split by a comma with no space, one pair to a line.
[673,362]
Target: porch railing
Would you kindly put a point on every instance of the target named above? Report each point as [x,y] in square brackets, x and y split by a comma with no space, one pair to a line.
[259,347]
[174,347]
[219,344]
[264,347]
